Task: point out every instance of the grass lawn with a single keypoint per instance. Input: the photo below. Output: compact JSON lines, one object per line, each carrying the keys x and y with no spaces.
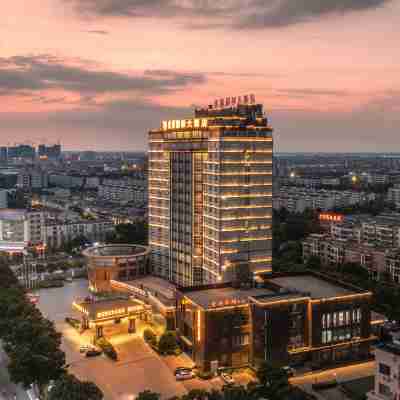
{"x":358,"y":388}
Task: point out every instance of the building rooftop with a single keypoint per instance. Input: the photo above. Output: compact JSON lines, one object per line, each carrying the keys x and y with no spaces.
{"x":225,"y":296}
{"x":158,"y":287}
{"x":94,"y":308}
{"x":315,"y":286}
{"x":393,"y":348}
{"x":114,"y":250}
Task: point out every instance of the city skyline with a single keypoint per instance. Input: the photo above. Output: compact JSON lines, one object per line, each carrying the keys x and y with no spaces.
{"x":97,"y":75}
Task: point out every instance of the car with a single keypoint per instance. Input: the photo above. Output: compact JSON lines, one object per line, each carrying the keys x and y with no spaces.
{"x":179,"y":369}
{"x":227,"y":378}
{"x":93,"y":353}
{"x":184,"y":374}
{"x":84,"y":348}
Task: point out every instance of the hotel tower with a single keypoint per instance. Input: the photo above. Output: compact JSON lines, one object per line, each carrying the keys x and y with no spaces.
{"x":210,"y":194}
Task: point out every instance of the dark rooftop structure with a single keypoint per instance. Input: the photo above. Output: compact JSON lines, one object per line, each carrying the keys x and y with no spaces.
{"x":224,"y":295}
{"x":315,"y":286}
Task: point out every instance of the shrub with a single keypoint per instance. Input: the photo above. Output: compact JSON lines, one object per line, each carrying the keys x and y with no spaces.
{"x":108,"y":348}
{"x":167,"y":343}
{"x":150,"y":337}
{"x":205,"y":375}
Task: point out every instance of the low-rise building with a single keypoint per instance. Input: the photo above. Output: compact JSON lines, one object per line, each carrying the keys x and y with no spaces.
{"x":58,"y":232}
{"x":302,"y":319}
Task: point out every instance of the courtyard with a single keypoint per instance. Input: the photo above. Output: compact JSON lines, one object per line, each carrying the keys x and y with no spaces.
{"x":138,"y":367}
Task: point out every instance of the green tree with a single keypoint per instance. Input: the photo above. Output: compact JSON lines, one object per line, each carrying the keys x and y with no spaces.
{"x":274,"y":382}
{"x":167,"y":343}
{"x":148,"y":395}
{"x":71,"y":388}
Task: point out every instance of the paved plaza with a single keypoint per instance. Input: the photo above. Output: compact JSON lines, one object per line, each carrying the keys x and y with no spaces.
{"x":138,"y":367}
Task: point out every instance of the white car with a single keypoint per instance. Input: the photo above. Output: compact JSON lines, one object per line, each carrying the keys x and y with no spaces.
{"x":85,"y":347}
{"x":184,"y":374}
{"x":227,"y":378}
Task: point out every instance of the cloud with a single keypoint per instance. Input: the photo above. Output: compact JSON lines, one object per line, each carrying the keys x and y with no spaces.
{"x":46,"y":72}
{"x":98,"y":32}
{"x":238,"y":14}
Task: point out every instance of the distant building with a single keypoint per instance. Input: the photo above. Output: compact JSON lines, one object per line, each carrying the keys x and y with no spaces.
{"x":58,"y":233}
{"x":20,"y":153}
{"x":3,"y":199}
{"x":123,"y":190}
{"x":210,"y":195}
{"x":33,"y":179}
{"x":387,"y":371}
{"x":66,"y":181}
{"x":393,"y":195}
{"x":49,"y":152}
{"x":20,"y":229}
{"x":297,"y":200}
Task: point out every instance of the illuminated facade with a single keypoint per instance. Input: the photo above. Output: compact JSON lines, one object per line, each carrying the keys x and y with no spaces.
{"x":210,"y":195}
{"x":109,"y":262}
{"x":299,"y":319}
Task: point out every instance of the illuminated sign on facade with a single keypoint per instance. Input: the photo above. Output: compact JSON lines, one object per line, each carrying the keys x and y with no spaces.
{"x":184,"y":123}
{"x":330,"y":217}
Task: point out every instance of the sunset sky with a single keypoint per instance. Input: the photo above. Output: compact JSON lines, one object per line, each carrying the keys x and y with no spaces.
{"x":98,"y":74}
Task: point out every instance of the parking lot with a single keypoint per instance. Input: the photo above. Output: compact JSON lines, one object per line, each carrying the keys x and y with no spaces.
{"x":138,"y":367}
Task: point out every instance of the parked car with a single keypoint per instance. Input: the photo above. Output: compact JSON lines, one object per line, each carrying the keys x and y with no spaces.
{"x":184,"y":374}
{"x":93,"y":353}
{"x":227,"y":378}
{"x":179,"y":369}
{"x":84,"y":348}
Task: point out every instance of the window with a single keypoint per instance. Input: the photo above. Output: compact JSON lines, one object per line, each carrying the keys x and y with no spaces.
{"x":384,"y":369}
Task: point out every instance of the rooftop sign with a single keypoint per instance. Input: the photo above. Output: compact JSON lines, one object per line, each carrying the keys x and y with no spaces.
{"x":229,"y":102}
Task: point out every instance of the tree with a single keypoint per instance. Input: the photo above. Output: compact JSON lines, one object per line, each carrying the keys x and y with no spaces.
{"x":314,"y":263}
{"x":167,"y":343}
{"x":71,"y":388}
{"x":129,"y":233}
{"x":274,"y":381}
{"x":148,"y":395}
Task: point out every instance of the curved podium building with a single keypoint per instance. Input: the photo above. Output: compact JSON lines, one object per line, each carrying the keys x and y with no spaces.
{"x":122,"y":262}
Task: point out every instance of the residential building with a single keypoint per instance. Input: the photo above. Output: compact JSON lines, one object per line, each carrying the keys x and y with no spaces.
{"x":123,"y":190}
{"x":59,"y":232}
{"x":33,"y":179}
{"x":210,"y":195}
{"x":297,"y":200}
{"x":49,"y":152}
{"x":387,"y":372}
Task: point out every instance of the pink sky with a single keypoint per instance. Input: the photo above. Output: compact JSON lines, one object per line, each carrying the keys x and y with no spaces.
{"x":330,"y":81}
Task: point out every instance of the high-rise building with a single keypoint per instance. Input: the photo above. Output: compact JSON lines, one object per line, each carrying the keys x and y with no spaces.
{"x":210,"y":195}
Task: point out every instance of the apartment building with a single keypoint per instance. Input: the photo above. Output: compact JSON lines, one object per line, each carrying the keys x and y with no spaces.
{"x":297,"y":200}
{"x":335,"y":252}
{"x":59,"y":232}
{"x":210,"y":194}
{"x":123,"y":190}
{"x":382,"y":230}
